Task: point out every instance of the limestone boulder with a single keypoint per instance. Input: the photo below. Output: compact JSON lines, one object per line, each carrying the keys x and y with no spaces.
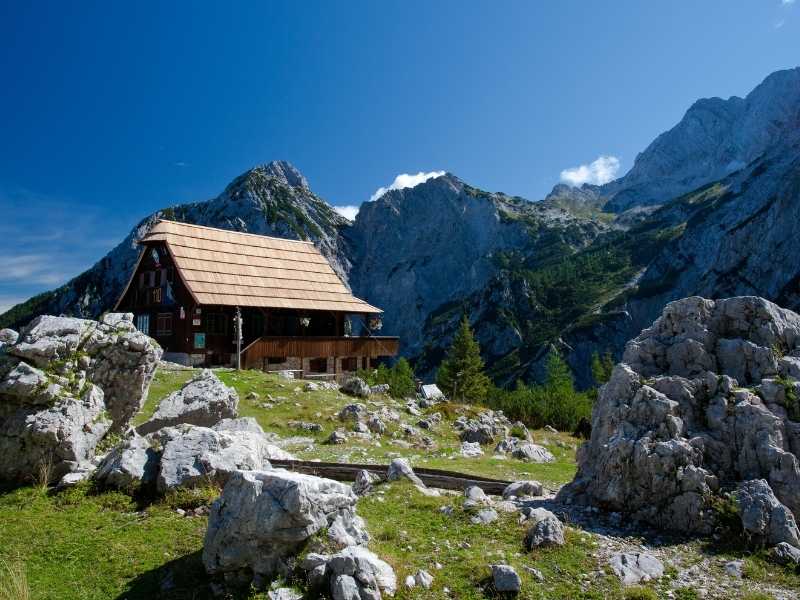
{"x":203,"y":401}
{"x":129,"y":465}
{"x":110,"y":353}
{"x":764,"y":519}
{"x":702,"y":400}
{"x":400,"y":468}
{"x":8,"y":337}
{"x":263,"y":518}
{"x":545,"y":529}
{"x":636,"y":567}
{"x":51,"y":441}
{"x":194,"y":455}
{"x":355,"y":386}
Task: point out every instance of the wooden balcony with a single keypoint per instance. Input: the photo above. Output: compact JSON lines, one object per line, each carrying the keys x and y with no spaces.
{"x":317,"y":347}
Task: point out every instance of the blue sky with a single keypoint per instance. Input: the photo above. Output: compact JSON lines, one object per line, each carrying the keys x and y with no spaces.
{"x":111,"y":110}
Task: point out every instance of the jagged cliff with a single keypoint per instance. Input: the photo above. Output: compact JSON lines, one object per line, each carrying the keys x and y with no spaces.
{"x":711,"y":207}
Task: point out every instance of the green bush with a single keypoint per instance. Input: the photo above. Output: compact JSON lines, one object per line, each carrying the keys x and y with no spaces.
{"x":640,"y":593}
{"x":556,"y":403}
{"x":400,"y":378}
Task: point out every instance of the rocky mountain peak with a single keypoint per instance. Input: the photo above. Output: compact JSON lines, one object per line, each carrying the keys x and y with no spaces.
{"x":285,"y":172}
{"x":715,"y":138}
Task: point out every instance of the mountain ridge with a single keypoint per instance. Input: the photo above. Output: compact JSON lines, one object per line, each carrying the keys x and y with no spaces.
{"x":710,"y":207}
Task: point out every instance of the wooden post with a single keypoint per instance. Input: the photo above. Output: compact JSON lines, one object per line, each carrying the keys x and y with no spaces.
{"x":238,"y":325}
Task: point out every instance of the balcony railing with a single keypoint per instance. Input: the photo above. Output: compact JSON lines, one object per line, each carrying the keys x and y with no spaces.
{"x":317,"y":347}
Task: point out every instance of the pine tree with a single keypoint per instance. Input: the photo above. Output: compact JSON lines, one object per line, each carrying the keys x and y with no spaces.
{"x":402,"y":380}
{"x":602,"y":367}
{"x":461,"y":376}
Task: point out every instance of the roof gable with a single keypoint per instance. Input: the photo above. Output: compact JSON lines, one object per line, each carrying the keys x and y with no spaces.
{"x":230,"y":268}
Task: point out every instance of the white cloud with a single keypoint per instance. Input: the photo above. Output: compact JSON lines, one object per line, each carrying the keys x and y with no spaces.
{"x":405,"y":180}
{"x":787,"y":2}
{"x":598,"y":172}
{"x":348,"y":212}
{"x":34,"y":268}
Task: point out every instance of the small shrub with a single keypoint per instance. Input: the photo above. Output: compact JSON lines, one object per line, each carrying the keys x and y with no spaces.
{"x":191,"y":498}
{"x":686,"y":593}
{"x":517,"y":431}
{"x":757,"y":596}
{"x":108,"y":442}
{"x":44,"y":473}
{"x":640,"y":593}
{"x":726,"y":515}
{"x":13,"y":581}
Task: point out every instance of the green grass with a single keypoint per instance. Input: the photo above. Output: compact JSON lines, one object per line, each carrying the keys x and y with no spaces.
{"x":80,"y":546}
{"x":86,"y":545}
{"x":411,"y":533}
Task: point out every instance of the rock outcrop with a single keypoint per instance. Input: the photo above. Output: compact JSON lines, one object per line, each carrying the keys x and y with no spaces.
{"x":64,"y":384}
{"x":189,"y":456}
{"x":262,"y":519}
{"x":354,"y":573}
{"x":203,"y":401}
{"x":110,"y":353}
{"x":705,"y":397}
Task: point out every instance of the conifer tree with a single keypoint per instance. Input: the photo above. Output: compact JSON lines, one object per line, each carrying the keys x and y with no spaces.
{"x":460,"y":376}
{"x":602,"y":367}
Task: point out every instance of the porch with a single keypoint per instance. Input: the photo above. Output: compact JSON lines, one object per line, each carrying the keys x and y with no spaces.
{"x":317,"y":356}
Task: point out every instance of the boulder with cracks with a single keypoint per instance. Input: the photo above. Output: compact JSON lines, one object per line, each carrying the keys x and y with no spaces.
{"x":705,"y":398}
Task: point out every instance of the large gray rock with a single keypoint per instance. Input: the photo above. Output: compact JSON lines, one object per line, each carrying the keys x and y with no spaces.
{"x":521,"y":489}
{"x":533,"y":453}
{"x":194,"y":455}
{"x":203,"y":401}
{"x":764,"y":519}
{"x":355,"y":386}
{"x":129,"y":465}
{"x":482,"y":430}
{"x":110,"y":353}
{"x":684,"y":412}
{"x":48,"y":442}
{"x":400,"y":468}
{"x":786,"y":554}
{"x":370,"y":572}
{"x":506,"y":579}
{"x":636,"y":567}
{"x":8,"y":337}
{"x":545,"y":529}
{"x":263,"y":518}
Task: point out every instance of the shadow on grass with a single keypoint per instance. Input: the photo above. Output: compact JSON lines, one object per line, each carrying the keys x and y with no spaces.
{"x":181,"y":579}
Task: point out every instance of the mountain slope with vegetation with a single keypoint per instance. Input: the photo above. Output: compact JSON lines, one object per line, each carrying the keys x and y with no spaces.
{"x":711,"y":207}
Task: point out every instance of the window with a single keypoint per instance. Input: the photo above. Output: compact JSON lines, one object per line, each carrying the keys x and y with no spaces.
{"x":318,"y":365}
{"x":143,"y":323}
{"x":350,"y":363}
{"x":141,"y":279}
{"x":216,"y":323}
{"x":164,"y":324}
{"x":150,"y":278}
{"x":200,"y":340}
{"x":276,"y":360}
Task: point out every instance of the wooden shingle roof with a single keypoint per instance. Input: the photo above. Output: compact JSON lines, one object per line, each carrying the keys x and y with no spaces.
{"x":229,"y":268}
